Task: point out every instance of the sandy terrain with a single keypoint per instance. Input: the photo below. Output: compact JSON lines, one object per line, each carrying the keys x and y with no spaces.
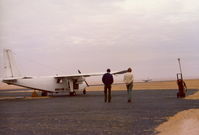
{"x":195,"y":96}
{"x":183,"y":123}
{"x":6,"y":86}
{"x":159,"y":85}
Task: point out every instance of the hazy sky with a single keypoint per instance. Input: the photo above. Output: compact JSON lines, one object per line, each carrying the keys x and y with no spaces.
{"x":60,"y":36}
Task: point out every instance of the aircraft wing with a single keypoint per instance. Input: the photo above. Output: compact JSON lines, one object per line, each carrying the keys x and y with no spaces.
{"x":89,"y":74}
{"x":78,"y":75}
{"x":120,"y":72}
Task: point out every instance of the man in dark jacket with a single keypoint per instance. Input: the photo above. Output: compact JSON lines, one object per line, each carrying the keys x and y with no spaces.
{"x":107,"y":79}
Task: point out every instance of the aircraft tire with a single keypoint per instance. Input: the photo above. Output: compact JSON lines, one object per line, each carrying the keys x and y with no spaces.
{"x":73,"y":93}
{"x":84,"y":92}
{"x":44,"y":93}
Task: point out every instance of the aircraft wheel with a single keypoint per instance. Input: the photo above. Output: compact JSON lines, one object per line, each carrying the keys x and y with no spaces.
{"x":44,"y":93}
{"x":73,"y":93}
{"x":84,"y":92}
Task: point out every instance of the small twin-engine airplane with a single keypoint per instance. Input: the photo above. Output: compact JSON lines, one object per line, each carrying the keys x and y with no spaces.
{"x":47,"y":84}
{"x":147,"y":80}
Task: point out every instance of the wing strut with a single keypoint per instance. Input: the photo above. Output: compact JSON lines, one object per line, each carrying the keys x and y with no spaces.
{"x":72,"y":92}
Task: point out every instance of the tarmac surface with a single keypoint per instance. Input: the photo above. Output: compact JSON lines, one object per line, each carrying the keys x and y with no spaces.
{"x":88,"y":114}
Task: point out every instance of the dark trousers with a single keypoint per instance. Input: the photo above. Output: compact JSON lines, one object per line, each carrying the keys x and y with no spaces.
{"x":107,"y":93}
{"x":129,"y":90}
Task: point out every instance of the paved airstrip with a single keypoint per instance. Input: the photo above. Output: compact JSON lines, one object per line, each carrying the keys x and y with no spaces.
{"x":88,"y":114}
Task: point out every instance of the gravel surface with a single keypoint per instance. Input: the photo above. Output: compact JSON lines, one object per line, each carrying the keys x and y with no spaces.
{"x":88,"y":114}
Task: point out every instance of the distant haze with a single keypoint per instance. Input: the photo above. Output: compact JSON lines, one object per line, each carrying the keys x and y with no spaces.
{"x":52,"y":37}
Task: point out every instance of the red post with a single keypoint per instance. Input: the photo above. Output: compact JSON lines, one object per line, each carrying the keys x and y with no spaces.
{"x":181,"y":86}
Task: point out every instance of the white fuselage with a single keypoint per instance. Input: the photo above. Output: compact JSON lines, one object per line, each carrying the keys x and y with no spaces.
{"x":49,"y":84}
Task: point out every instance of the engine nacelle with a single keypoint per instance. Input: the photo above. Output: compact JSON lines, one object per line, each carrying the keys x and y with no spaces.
{"x":80,"y":80}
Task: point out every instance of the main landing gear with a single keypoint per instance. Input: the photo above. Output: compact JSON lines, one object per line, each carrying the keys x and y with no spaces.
{"x":84,"y":92}
{"x":44,"y":93}
{"x":73,"y":93}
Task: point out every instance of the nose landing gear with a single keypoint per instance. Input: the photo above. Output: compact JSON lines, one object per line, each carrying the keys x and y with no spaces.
{"x":84,"y":91}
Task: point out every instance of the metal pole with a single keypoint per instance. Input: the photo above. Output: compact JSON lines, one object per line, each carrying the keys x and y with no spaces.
{"x":180,"y":65}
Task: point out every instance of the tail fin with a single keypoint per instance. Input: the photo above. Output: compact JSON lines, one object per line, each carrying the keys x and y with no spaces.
{"x":10,"y":68}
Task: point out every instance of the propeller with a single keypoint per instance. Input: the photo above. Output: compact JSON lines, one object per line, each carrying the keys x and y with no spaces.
{"x":79,"y":71}
{"x":84,"y":80}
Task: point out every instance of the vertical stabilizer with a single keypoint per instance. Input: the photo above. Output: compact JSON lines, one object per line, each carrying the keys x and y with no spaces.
{"x":10,"y":68}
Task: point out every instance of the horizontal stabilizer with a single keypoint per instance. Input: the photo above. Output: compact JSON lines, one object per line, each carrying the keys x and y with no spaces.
{"x":10,"y":79}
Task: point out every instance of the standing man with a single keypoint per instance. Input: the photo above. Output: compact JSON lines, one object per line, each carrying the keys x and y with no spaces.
{"x":128,"y":79}
{"x":107,"y":79}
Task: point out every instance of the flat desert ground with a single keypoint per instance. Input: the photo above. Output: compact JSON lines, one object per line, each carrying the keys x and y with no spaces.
{"x":182,"y":123}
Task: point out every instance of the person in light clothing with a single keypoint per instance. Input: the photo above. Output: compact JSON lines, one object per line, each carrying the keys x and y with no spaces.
{"x":128,"y":80}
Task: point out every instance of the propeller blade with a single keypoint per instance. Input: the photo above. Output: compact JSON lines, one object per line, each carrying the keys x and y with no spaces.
{"x":79,"y":71}
{"x":85,"y":80}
